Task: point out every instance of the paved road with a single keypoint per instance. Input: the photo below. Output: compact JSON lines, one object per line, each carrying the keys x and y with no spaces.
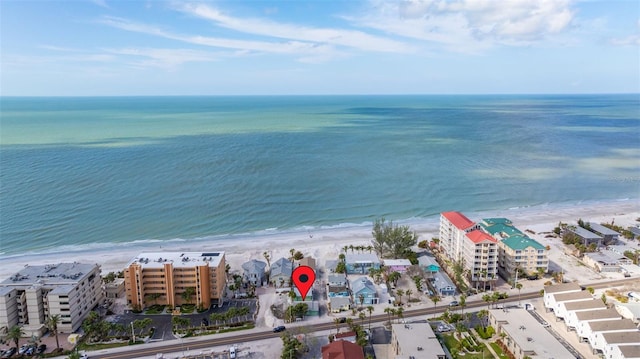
{"x":208,"y":342}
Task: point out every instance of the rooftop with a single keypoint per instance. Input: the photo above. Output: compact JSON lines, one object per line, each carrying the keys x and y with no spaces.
{"x":609,"y":325}
{"x":458,"y":219}
{"x":441,"y":280}
{"x":602,"y":229}
{"x":50,"y":274}
{"x":178,"y":259}
{"x":520,"y":242}
{"x":478,"y":236}
{"x":529,"y":334}
{"x":501,"y":226}
{"x":254,"y":265}
{"x":361,"y":283}
{"x":397,"y":262}
{"x":584,"y":233}
{"x":630,"y":351}
{"x":607,"y":257}
{"x":563,"y":287}
{"x":428,"y":260}
{"x":597,"y":314}
{"x":342,"y":349}
{"x":282,"y":267}
{"x":563,"y":297}
{"x":361,"y":258}
{"x":587,"y":304}
{"x":622,"y":337}
{"x":416,"y":340}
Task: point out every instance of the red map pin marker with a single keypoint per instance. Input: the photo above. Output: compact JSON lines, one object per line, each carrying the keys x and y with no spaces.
{"x":303,"y":278}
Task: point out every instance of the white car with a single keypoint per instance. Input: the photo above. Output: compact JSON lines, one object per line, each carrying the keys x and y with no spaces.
{"x":232,"y":352}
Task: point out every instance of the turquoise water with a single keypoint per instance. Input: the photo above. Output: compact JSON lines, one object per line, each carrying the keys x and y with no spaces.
{"x":87,"y":171}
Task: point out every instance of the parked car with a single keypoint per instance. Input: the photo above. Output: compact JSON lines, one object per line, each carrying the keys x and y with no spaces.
{"x":279,"y":329}
{"x":342,"y":320}
{"x":41,"y":349}
{"x":454,"y":303}
{"x":30,"y":350}
{"x":232,"y":353}
{"x":23,"y":349}
{"x":9,"y":353}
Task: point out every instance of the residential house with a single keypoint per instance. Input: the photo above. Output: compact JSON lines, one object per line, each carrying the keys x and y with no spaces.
{"x":338,"y":279}
{"x":609,"y":326}
{"x":428,"y":264}
{"x":606,"y":261}
{"x":360,"y":263}
{"x":414,"y":340}
{"x":253,"y":272}
{"x":397,"y":265}
{"x":603,"y":340}
{"x":342,"y":349}
{"x":587,"y":237}
{"x":364,"y":292}
{"x":280,"y":275}
{"x":349,"y":336}
{"x":608,"y":235}
{"x":571,"y":309}
{"x":309,"y":262}
{"x":559,"y":298}
{"x":33,"y":294}
{"x":635,"y":231}
{"x":442,"y":284}
{"x":622,"y":352}
{"x":339,"y":304}
{"x":525,"y":336}
{"x":331,"y":265}
{"x":551,"y":290}
{"x":584,"y":318}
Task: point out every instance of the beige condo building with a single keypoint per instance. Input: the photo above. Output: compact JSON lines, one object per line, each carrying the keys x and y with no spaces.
{"x":164,"y":277}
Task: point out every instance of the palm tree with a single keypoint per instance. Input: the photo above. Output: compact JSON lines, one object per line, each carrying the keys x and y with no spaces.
{"x":188,"y":294}
{"x":482,"y":315}
{"x":389,"y":311}
{"x":362,"y":316}
{"x":370,"y":310}
{"x":15,"y":333}
{"x":519,"y":287}
{"x":336,"y":321}
{"x":399,"y":312}
{"x":487,"y":298}
{"x":435,"y":299}
{"x":408,"y":292}
{"x":400,"y":293}
{"x":463,"y":302}
{"x":52,"y":324}
{"x":361,"y":299}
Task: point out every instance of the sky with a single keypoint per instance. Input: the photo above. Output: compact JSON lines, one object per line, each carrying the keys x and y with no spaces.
{"x":297,"y":47}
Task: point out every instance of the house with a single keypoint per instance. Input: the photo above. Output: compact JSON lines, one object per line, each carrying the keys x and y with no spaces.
{"x":364,"y":292}
{"x":609,"y":235}
{"x":115,"y":289}
{"x":309,"y":262}
{"x":442,"y":284}
{"x":280,"y":275}
{"x":331,"y":265}
{"x":360,"y":263}
{"x":338,"y":291}
{"x":609,"y":326}
{"x":551,"y":290}
{"x":559,"y":298}
{"x":414,"y":340}
{"x":587,"y":237}
{"x":623,"y":351}
{"x":339,"y":304}
{"x":253,"y":272}
{"x":571,"y":309}
{"x":603,"y":340}
{"x":584,"y":318}
{"x":350,"y":336}
{"x":605,"y":261}
{"x":338,"y":279}
{"x":342,"y":349}
{"x":428,"y":264}
{"x":525,"y":336}
{"x":397,"y":265}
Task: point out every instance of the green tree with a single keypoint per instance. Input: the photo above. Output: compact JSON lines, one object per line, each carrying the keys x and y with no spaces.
{"x":188,"y":294}
{"x":109,"y":278}
{"x":590,"y":290}
{"x":74,"y":355}
{"x":483,"y":314}
{"x":462,"y":302}
{"x":341,"y":267}
{"x":400,"y":293}
{"x":391,"y":240}
{"x":370,"y":310}
{"x":298,"y":255}
{"x":14,"y":334}
{"x":361,"y":299}
{"x":362,"y":317}
{"x":519,"y":288}
{"x":435,"y":299}
{"x":394,"y":277}
{"x":52,"y":324}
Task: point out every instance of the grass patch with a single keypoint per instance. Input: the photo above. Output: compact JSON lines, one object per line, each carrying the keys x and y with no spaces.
{"x":498,"y":351}
{"x":155,"y":309}
{"x":187,"y":308}
{"x":454,"y":346}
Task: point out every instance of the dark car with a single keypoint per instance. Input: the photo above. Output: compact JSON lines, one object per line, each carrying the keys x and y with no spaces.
{"x":342,"y":320}
{"x":41,"y":349}
{"x":279,"y":329}
{"x":9,"y":353}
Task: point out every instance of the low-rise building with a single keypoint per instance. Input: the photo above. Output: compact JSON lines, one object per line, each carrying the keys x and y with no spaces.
{"x":339,"y":304}
{"x":571,"y":309}
{"x":115,"y":289}
{"x":349,"y":336}
{"x":360,"y":263}
{"x":338,"y":279}
{"x":397,"y":265}
{"x":606,"y":261}
{"x":414,"y":340}
{"x":253,"y":272}
{"x":176,"y":278}
{"x":429,"y":264}
{"x":68,"y":290}
{"x":364,"y":292}
{"x":629,"y":311}
{"x":584,"y":318}
{"x":442,"y":284}
{"x":309,"y":262}
{"x":551,"y":290}
{"x":622,"y":352}
{"x":604,"y":340}
{"x":525,"y":336}
{"x":608,"y":235}
{"x":559,"y":298}
{"x":586,"y":237}
{"x":280,"y":276}
{"x":609,"y":326}
{"x":342,"y":349}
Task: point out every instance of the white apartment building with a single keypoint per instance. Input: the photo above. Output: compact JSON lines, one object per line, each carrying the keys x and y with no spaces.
{"x":29,"y":297}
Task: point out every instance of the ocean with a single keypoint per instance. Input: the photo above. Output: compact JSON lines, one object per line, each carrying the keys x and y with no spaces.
{"x":104,"y":171}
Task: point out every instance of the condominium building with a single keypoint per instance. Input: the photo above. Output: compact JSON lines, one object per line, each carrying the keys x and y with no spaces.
{"x":68,"y":290}
{"x":517,"y":252}
{"x":175,"y":278}
{"x":463,"y":242}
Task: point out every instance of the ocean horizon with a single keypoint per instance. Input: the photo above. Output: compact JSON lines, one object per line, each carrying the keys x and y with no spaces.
{"x":94,"y":172}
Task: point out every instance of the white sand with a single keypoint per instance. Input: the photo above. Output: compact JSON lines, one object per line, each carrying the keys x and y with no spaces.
{"x":326,"y":243}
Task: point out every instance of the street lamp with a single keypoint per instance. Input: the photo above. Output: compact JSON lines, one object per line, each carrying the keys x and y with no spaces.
{"x":133,"y":335}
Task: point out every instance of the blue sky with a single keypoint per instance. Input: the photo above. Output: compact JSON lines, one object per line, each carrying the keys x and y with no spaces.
{"x":238,"y":47}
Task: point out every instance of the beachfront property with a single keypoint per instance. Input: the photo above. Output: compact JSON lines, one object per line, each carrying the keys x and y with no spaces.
{"x":176,"y":278}
{"x":525,"y":336}
{"x":606,"y":261}
{"x":608,"y":235}
{"x":280,"y":275}
{"x":516,"y":251}
{"x":253,"y":272}
{"x":342,"y":349}
{"x":396,"y":265}
{"x":428,"y":264}
{"x":414,"y":340}
{"x":338,"y":286}
{"x":442,"y":284}
{"x":584,"y":318}
{"x":587,"y":237}
{"x":364,"y":292}
{"x":309,"y":262}
{"x":69,"y":290}
{"x":337,"y":279}
{"x":463,"y":242}
{"x":360,"y":263}
{"x":339,"y":304}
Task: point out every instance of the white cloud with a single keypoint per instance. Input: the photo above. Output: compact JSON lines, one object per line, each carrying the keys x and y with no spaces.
{"x":167,"y":58}
{"x":101,"y":3}
{"x":318,"y":36}
{"x":470,"y":25}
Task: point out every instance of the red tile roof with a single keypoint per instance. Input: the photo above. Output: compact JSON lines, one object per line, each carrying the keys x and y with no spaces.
{"x":478,"y":236}
{"x":458,"y":219}
{"x":345,"y":335}
{"x":341,"y":349}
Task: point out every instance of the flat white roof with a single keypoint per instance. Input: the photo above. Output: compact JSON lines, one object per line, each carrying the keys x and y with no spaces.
{"x":417,"y":340}
{"x":178,"y":259}
{"x":397,"y":262}
{"x":50,"y":274}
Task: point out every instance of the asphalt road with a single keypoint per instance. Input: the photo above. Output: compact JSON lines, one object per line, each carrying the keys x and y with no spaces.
{"x":208,"y":342}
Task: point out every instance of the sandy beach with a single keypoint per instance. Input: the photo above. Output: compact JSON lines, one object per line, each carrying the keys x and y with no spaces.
{"x":324,"y":244}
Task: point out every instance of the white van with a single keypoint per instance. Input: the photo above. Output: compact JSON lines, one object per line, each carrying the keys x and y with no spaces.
{"x":232,"y":352}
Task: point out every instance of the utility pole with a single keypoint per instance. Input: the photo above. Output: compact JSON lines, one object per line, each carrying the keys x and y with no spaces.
{"x":133,"y":334}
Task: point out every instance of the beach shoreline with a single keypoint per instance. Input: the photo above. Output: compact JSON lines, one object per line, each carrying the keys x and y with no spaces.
{"x":323,"y":243}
